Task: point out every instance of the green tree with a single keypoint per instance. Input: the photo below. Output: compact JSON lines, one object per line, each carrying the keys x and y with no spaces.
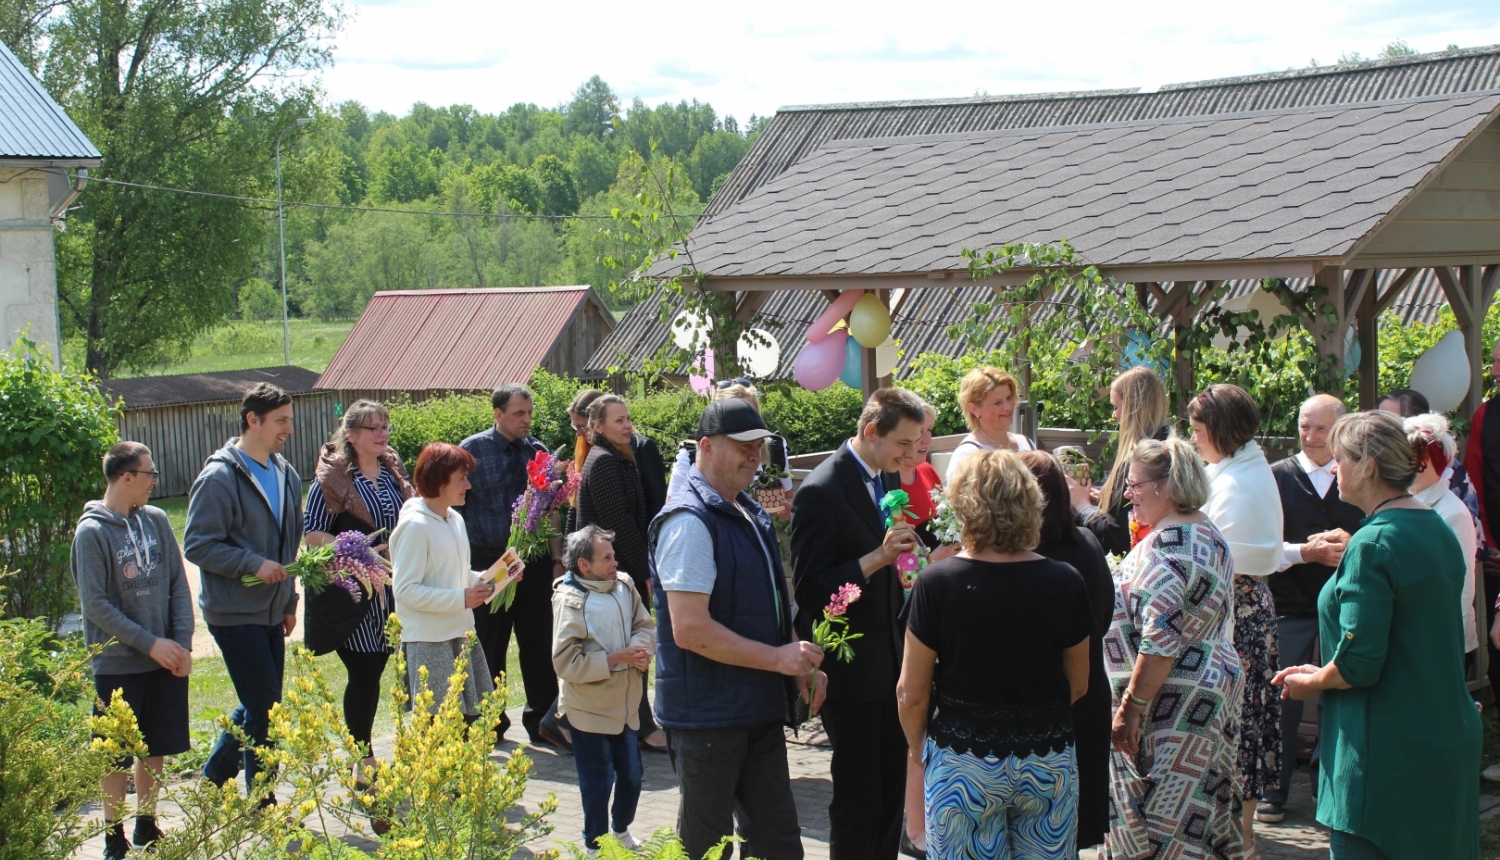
{"x":558,"y":195}
{"x":186,"y":95}
{"x":404,"y":174}
{"x":714,"y":156}
{"x":505,"y":188}
{"x":592,"y":110}
{"x":259,"y":301}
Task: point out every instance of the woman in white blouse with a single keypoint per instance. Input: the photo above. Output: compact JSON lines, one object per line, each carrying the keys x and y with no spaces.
{"x":1433,"y":442}
{"x":1245,"y":505}
{"x":988,"y":398}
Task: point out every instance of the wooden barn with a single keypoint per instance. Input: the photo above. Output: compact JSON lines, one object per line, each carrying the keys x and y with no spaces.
{"x":184,"y":418}
{"x":418,"y":343}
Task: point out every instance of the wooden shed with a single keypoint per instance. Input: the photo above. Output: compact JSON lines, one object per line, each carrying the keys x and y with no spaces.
{"x":418,"y":343}
{"x":185,"y":418}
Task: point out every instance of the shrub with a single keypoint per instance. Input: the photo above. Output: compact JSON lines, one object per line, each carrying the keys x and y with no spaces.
{"x":243,"y":339}
{"x":811,"y":420}
{"x":54,"y":429}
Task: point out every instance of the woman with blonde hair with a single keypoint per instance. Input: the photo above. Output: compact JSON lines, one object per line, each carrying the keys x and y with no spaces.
{"x":988,"y":397}
{"x":996,"y":653}
{"x":1138,"y":400}
{"x":1433,"y":443}
{"x":1399,"y":736}
{"x":1174,"y":672}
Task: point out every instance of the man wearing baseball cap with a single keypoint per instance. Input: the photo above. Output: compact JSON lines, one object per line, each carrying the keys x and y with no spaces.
{"x":726,"y":647}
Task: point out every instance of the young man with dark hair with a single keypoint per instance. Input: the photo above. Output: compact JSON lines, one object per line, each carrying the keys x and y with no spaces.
{"x":502,"y":453}
{"x":135,"y":601}
{"x":245,"y":518}
{"x":839,"y":537}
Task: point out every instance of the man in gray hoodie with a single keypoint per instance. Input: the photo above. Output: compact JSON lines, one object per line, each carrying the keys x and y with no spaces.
{"x":134,"y":596}
{"x":245,"y":518}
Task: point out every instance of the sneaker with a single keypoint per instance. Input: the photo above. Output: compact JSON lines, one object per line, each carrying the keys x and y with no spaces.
{"x":115,"y":846}
{"x":1491,"y":773}
{"x":626,"y":839}
{"x":146,"y":832}
{"x":1269,"y":813}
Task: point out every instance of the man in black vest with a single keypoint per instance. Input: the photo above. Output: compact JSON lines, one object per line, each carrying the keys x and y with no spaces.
{"x":1316,"y":525}
{"x":839,"y":537}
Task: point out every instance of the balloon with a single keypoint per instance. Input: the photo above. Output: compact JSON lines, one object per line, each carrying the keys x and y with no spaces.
{"x":1442,"y":373}
{"x":1352,"y":353}
{"x":869,"y":321}
{"x":687,"y":327}
{"x":886,"y":356}
{"x":818,"y":364}
{"x":829,"y":318}
{"x":704,"y":384}
{"x":760,"y":358}
{"x":853,"y":374}
{"x":1264,"y":303}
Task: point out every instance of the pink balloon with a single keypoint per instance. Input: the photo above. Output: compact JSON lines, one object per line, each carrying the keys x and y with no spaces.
{"x":819,"y":364}
{"x":704,"y":384}
{"x":837,"y":310}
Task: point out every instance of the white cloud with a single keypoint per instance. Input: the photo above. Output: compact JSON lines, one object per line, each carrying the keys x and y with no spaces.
{"x":754,"y":58}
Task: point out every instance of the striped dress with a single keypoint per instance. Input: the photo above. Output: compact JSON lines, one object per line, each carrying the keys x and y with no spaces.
{"x":383,"y":500}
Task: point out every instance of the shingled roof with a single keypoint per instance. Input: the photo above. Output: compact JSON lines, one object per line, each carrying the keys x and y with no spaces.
{"x":146,"y":392}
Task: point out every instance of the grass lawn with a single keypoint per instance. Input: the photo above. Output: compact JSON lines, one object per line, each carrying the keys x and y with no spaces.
{"x":313,"y":344}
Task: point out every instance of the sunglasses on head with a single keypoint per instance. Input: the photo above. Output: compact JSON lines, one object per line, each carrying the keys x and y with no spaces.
{"x":729,"y":383}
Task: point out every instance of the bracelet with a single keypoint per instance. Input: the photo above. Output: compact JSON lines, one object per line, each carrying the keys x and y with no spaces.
{"x":1137,"y":700}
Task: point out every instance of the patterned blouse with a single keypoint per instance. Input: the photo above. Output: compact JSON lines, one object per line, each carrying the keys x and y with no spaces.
{"x":384,"y":504}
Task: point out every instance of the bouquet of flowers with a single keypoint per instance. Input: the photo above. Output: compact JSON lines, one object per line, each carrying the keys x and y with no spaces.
{"x":350,"y":563}
{"x":550,"y":484}
{"x":832,"y":633}
{"x":896,"y":505}
{"x":946,"y":526}
{"x":1114,"y":560}
{"x":1138,"y":530}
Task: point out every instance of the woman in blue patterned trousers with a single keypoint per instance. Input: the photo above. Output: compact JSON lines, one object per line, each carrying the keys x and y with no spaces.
{"x":998,"y":639}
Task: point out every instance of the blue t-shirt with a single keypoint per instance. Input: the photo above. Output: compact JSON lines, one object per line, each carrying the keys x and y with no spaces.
{"x":265,"y":475}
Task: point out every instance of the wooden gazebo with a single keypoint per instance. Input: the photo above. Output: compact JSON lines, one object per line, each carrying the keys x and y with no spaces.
{"x":1363,"y":178}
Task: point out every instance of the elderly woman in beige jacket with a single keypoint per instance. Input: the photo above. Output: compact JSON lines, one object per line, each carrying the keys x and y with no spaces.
{"x":602,"y":638}
{"x":1245,"y":505}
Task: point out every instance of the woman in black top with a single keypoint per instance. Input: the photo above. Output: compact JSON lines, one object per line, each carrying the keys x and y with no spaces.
{"x":611,"y":497}
{"x":997,"y":651}
{"x":1074,"y":545}
{"x":1139,"y":401}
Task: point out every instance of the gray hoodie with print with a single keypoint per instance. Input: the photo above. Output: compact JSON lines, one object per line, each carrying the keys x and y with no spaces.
{"x":131,"y":586}
{"x":231,"y":530}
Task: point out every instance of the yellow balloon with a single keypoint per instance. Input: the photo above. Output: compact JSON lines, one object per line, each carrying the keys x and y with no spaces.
{"x":870,"y":322}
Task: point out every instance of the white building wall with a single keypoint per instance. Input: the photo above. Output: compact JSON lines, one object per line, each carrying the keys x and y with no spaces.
{"x":28,"y":271}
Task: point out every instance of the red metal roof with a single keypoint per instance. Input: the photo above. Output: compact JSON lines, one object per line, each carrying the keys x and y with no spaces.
{"x":453,"y":340}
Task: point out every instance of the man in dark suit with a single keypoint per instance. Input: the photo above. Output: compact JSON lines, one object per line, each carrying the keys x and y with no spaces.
{"x":839,"y":537}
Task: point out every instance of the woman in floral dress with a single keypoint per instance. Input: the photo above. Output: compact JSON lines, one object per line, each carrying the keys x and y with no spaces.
{"x":1174,"y":674}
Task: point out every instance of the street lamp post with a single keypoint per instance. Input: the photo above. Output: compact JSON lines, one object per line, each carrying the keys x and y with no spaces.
{"x":286,"y":326}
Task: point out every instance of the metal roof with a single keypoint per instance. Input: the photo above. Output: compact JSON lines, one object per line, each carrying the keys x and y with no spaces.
{"x":1285,"y":184}
{"x":795,"y":131}
{"x":146,"y":392}
{"x":33,"y":127}
{"x":454,"y":340}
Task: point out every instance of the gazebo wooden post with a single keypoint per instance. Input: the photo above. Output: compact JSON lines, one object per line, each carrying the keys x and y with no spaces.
{"x":1469,"y":294}
{"x":1328,"y":337}
{"x":1369,"y":346}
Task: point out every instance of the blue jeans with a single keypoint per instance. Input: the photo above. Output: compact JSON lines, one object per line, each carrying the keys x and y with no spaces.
{"x":255,"y":657}
{"x":605,"y":762}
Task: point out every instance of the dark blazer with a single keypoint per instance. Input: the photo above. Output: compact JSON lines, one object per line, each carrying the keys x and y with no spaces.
{"x":834,"y":523}
{"x":610,"y":497}
{"x":653,"y":473}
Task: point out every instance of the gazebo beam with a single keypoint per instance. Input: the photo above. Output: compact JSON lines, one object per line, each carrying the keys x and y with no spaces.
{"x":1369,"y":343}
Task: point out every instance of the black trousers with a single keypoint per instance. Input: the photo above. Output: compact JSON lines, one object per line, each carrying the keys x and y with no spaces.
{"x":869,"y":779}
{"x":530,"y":618}
{"x":1299,"y":640}
{"x":362,"y":692}
{"x":724,"y":773}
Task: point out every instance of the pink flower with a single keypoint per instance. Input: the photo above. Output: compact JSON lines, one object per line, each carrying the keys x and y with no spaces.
{"x":846,"y":595}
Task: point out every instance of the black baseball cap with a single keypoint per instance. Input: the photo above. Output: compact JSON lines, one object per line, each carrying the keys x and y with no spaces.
{"x":734,"y":418}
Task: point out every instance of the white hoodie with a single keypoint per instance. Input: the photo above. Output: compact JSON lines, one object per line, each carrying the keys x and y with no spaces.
{"x":1245,"y":504}
{"x":430,"y":569}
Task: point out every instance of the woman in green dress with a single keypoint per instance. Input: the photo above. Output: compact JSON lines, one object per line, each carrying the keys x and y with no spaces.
{"x":1400,"y":735}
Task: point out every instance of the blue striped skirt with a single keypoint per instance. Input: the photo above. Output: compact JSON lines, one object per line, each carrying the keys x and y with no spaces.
{"x":1012,"y":808}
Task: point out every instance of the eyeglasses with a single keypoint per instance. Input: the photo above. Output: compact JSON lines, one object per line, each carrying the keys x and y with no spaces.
{"x":729,"y":383}
{"x":153,"y":474}
{"x":381,"y":428}
{"x":1135,"y":487}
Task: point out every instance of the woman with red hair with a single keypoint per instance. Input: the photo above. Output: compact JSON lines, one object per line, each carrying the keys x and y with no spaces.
{"x":435,"y":589}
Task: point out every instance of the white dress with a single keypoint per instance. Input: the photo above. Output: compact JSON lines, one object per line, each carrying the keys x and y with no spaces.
{"x":969,"y":445}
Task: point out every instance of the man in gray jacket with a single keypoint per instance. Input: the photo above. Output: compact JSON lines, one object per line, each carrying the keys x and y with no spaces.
{"x":134,"y":596}
{"x":245,"y":518}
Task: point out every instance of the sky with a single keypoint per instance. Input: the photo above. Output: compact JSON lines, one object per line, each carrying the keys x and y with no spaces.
{"x":752,"y":58}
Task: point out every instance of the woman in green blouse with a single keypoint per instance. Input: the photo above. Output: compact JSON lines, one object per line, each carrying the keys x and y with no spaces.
{"x":1400,"y":735}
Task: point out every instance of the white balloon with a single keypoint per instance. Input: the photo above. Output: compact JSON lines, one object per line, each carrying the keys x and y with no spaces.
{"x":886,"y":356}
{"x":760,"y":358}
{"x":1442,"y":373}
{"x":686,"y":328}
{"x":1265,"y":303}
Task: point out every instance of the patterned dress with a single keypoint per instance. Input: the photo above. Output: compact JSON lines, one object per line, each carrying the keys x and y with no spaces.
{"x":1177,"y":798}
{"x":1255,"y":638}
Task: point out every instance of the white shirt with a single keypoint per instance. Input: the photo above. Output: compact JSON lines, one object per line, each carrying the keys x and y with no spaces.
{"x":1322,"y":478}
{"x":872,"y":477}
{"x":1456,"y":515}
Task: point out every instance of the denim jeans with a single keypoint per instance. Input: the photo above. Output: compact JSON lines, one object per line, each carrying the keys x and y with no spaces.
{"x":255,"y":657}
{"x":605,"y":762}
